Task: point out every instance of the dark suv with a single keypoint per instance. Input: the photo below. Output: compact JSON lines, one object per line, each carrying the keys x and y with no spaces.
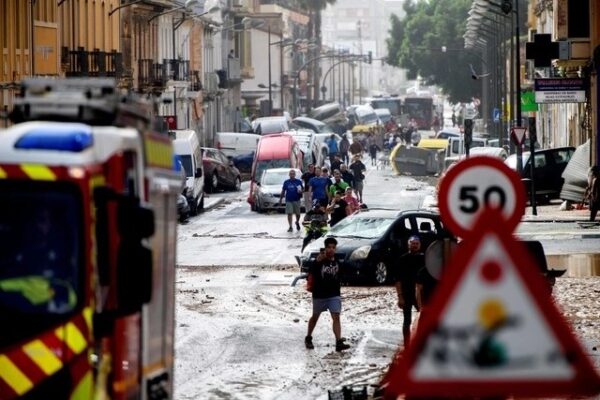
{"x":548,"y":168}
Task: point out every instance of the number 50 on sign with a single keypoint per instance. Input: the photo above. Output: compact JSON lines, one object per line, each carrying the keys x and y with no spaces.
{"x":475,"y":184}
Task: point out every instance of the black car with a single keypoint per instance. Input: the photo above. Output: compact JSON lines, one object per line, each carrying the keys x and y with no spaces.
{"x":548,"y":168}
{"x":219,"y":171}
{"x":370,"y":242}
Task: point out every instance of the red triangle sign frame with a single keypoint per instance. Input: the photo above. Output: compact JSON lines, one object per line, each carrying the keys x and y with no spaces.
{"x":424,"y":369}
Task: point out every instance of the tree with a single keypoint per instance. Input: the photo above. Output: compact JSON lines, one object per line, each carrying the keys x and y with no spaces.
{"x":416,"y":43}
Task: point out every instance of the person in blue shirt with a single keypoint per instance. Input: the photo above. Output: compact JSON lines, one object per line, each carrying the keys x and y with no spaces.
{"x":318,"y":185}
{"x":332,"y":147}
{"x":292,"y":190}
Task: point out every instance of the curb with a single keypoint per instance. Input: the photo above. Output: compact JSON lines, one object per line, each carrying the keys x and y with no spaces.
{"x":212,"y":202}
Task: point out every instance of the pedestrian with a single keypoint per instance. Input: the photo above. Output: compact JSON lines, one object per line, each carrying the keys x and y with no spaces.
{"x":453,"y":119}
{"x":306,"y":177}
{"x":592,"y":192}
{"x":373,"y":149}
{"x":407,"y":267}
{"x":338,"y":208}
{"x":337,"y":185}
{"x":318,"y":185}
{"x":332,"y":147}
{"x":356,"y":148}
{"x":351,"y":201}
{"x":347,"y":175}
{"x":326,"y":294}
{"x":336,"y":163}
{"x":358,"y":170}
{"x":344,"y":147}
{"x":292,"y":190}
{"x":425,"y":286}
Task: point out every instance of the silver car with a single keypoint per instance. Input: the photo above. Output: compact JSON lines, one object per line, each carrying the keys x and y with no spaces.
{"x":269,"y":189}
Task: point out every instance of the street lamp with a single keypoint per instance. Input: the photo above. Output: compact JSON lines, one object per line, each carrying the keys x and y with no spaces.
{"x":188,"y":4}
{"x":111,"y":12}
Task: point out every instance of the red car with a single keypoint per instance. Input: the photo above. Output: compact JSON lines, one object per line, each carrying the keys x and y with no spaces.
{"x":219,"y":171}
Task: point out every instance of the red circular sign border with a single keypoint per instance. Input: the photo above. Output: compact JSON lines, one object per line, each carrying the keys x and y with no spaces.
{"x":479,"y":161}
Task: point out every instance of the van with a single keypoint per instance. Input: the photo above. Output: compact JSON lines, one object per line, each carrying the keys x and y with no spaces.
{"x":187,"y":148}
{"x":235,"y":144}
{"x":273,"y":151}
{"x":456,"y":148}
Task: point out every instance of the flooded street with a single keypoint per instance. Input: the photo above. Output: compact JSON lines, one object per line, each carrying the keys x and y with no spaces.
{"x":240,"y":333}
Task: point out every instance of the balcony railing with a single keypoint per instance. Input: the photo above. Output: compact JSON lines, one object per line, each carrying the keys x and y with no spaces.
{"x":177,"y":70}
{"x":83,"y":63}
{"x":151,"y":74}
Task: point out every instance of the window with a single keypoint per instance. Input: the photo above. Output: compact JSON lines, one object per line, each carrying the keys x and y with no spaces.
{"x":540,"y":160}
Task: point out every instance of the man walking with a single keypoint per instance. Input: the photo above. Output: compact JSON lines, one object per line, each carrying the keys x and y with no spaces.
{"x":347,"y":175}
{"x":338,"y":184}
{"x":326,"y":294}
{"x":407,"y":267}
{"x":344,"y":147}
{"x":292,"y":190}
{"x":306,"y":177}
{"x":332,"y":147}
{"x":318,"y":186}
{"x":358,"y":170}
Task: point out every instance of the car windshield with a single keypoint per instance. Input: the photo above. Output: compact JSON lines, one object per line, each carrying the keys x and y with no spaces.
{"x":274,"y":177}
{"x":511,"y":161}
{"x":41,"y":263}
{"x":263,"y":165}
{"x":361,"y":226}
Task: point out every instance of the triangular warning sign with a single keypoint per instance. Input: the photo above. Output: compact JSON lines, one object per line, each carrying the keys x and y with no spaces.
{"x":492,"y":330}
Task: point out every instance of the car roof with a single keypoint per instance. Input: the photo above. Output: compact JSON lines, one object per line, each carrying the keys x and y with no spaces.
{"x":309,"y":120}
{"x":389,"y":213}
{"x":278,"y":170}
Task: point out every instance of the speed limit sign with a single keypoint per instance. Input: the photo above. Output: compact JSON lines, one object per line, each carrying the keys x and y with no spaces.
{"x":475,"y":184}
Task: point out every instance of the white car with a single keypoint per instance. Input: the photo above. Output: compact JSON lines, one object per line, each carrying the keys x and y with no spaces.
{"x":314,"y":153}
{"x":269,"y":189}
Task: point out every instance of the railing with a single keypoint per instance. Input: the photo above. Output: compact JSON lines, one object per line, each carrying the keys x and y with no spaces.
{"x":177,"y":70}
{"x":83,"y":63}
{"x":151,"y":74}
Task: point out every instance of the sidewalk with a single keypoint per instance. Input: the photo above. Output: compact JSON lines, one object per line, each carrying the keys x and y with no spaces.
{"x":545,"y":213}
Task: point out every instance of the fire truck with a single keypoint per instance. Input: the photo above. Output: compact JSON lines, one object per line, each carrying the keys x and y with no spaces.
{"x":88,"y":224}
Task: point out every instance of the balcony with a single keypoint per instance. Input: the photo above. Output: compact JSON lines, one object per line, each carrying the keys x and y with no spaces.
{"x":151,"y":75}
{"x":96,"y":63}
{"x":177,"y":70}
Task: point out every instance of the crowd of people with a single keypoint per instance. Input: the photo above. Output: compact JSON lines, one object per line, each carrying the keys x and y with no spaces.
{"x":337,"y":190}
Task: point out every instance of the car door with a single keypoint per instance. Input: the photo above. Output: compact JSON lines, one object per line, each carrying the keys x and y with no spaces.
{"x":228,"y":173}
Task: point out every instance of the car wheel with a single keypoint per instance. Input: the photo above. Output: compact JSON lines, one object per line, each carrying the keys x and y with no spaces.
{"x":237,"y":185}
{"x":381,"y":273}
{"x":214,"y":182}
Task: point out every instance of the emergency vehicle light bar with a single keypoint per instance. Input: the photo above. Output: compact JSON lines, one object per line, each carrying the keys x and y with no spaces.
{"x":74,"y":138}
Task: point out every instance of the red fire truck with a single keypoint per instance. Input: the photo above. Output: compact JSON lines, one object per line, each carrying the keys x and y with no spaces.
{"x":87,"y":233}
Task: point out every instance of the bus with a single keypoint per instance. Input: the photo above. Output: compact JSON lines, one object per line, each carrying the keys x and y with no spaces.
{"x":421,"y":109}
{"x":394,"y":104}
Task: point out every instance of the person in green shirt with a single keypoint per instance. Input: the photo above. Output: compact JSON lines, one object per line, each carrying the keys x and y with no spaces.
{"x":337,"y":185}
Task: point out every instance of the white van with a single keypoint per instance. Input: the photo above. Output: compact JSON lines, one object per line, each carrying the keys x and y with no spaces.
{"x":187,"y":149}
{"x":235,"y":143}
{"x":456,"y":148}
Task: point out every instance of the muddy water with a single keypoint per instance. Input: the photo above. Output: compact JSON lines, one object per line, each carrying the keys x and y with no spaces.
{"x":577,"y":265}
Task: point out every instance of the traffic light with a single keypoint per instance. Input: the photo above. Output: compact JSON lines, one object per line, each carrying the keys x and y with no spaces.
{"x":370,"y":57}
{"x":468,"y":135}
{"x":506,"y":6}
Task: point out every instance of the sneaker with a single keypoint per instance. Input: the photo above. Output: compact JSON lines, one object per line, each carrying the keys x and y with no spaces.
{"x":290,"y":229}
{"x":297,"y":226}
{"x":308,"y":343}
{"x":340,"y":345}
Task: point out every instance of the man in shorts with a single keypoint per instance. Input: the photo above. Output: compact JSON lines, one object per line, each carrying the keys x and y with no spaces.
{"x":326,"y":293}
{"x":292,"y":190}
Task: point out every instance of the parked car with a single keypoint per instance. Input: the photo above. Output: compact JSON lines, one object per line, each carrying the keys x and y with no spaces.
{"x":330,"y":113}
{"x":549,"y":165}
{"x":235,"y":143}
{"x":270,"y":125}
{"x":312,"y":124}
{"x":244,"y":162}
{"x":310,"y":147}
{"x":187,"y":147}
{"x":269,"y":189}
{"x":219,"y":171}
{"x":370,"y":242}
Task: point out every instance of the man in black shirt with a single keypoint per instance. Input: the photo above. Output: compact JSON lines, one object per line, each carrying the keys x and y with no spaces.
{"x":347,"y":175}
{"x":407,"y":268}
{"x":306,"y":176}
{"x":358,"y":170}
{"x":326,"y":294}
{"x":338,"y":208}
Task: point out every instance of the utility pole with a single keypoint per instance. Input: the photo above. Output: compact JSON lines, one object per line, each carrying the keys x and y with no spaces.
{"x":360,"y":50}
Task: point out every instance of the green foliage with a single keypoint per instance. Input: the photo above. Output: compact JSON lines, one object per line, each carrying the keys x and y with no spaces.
{"x":415,"y":43}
